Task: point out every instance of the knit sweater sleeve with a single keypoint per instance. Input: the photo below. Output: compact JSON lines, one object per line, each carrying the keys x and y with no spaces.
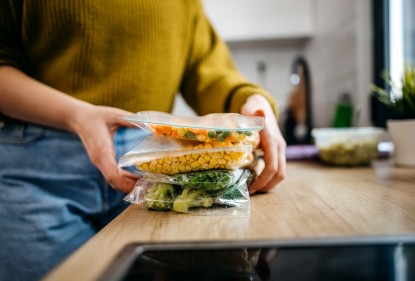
{"x":211,"y":82}
{"x":11,"y":52}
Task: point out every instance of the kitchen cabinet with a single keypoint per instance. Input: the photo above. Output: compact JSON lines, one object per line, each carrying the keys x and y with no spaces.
{"x":314,"y":203}
{"x":247,"y":20}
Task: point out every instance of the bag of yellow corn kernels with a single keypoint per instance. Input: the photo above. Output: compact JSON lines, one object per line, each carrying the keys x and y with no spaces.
{"x":160,"y":196}
{"x":173,"y":156}
{"x":233,"y":127}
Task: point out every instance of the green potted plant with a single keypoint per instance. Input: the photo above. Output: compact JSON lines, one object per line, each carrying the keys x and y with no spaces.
{"x":401,"y":99}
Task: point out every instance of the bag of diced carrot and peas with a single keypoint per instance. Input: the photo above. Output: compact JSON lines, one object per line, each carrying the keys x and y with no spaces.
{"x":215,"y":127}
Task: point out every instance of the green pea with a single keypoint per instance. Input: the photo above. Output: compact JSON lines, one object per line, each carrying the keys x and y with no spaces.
{"x":226,"y":134}
{"x":212,"y":134}
{"x":221,"y":137}
{"x":190,"y":135}
{"x":248,"y":133}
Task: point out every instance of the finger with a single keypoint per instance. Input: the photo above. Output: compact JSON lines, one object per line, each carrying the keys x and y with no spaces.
{"x":118,"y":117}
{"x":113,"y":175}
{"x":130,"y":175}
{"x":119,"y":181}
{"x":271,"y":163}
{"x":280,"y":176}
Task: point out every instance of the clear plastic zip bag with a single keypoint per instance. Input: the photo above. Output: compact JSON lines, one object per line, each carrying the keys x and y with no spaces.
{"x":212,"y":180}
{"x":215,"y":127}
{"x":174,"y":156}
{"x":160,"y":196}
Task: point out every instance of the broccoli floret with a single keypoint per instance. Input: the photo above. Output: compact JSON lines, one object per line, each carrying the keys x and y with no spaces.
{"x":160,"y":197}
{"x":237,"y":192}
{"x":212,"y":180}
{"x":232,"y":193}
{"x":191,"y":198}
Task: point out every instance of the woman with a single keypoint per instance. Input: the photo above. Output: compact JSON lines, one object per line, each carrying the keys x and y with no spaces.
{"x":68,"y":71}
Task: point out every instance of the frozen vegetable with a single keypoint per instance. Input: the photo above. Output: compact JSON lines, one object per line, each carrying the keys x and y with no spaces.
{"x":204,"y":135}
{"x":192,"y":198}
{"x":232,"y":200}
{"x":217,"y":127}
{"x":210,"y":180}
{"x":161,"y":196}
{"x":170,"y":157}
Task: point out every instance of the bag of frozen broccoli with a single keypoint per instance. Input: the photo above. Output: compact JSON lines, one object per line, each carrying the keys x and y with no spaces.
{"x":160,"y":196}
{"x":212,"y":180}
{"x":173,"y":156}
{"x":233,"y":126}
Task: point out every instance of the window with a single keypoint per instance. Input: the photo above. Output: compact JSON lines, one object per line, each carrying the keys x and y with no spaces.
{"x":393,"y":45}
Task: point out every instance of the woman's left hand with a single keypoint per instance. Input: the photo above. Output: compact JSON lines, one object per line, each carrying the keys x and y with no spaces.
{"x":271,"y":142}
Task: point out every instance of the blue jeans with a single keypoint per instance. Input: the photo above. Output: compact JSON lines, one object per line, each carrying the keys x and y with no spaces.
{"x":52,"y":199}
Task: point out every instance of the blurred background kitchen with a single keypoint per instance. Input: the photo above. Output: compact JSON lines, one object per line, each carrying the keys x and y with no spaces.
{"x":317,"y":57}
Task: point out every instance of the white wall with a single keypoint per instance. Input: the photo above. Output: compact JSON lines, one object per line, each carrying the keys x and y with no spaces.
{"x":277,"y":57}
{"x":339,"y":56}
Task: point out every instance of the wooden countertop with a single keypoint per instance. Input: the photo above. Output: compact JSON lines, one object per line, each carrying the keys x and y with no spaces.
{"x":314,"y":201}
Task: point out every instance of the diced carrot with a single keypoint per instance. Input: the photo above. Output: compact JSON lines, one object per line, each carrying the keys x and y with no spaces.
{"x":193,"y":130}
{"x":203,"y":132}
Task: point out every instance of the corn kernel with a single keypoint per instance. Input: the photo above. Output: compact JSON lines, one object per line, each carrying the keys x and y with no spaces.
{"x":175,"y":170}
{"x":221,"y":161}
{"x":207,"y":158}
{"x":227,"y":157}
{"x":195,"y":165}
{"x":201,"y":138}
{"x":208,"y":145}
{"x":213,"y":161}
{"x":182,"y":158}
{"x":195,"y":155}
{"x":235,"y":155}
{"x":201,"y":160}
{"x":180,"y":132}
{"x":144,"y":166}
{"x":182,"y":168}
{"x":216,"y":155}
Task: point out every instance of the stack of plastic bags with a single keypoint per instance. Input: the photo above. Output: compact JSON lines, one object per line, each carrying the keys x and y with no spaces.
{"x":194,"y":164}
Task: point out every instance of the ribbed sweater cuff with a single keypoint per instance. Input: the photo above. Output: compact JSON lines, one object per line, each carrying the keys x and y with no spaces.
{"x":240,"y":96}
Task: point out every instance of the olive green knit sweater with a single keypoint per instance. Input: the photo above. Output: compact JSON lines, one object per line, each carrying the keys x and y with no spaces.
{"x":131,"y":54}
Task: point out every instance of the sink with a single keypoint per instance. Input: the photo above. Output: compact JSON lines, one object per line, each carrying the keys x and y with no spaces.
{"x":353,"y":258}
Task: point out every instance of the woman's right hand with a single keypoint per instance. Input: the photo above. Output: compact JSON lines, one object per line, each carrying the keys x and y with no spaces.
{"x":96,"y":126}
{"x":27,"y":99}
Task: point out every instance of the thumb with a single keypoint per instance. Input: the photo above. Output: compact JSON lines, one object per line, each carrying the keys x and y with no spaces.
{"x":120,"y":121}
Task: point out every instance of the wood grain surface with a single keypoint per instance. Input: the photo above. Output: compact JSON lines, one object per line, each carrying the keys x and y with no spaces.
{"x":314,"y":201}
